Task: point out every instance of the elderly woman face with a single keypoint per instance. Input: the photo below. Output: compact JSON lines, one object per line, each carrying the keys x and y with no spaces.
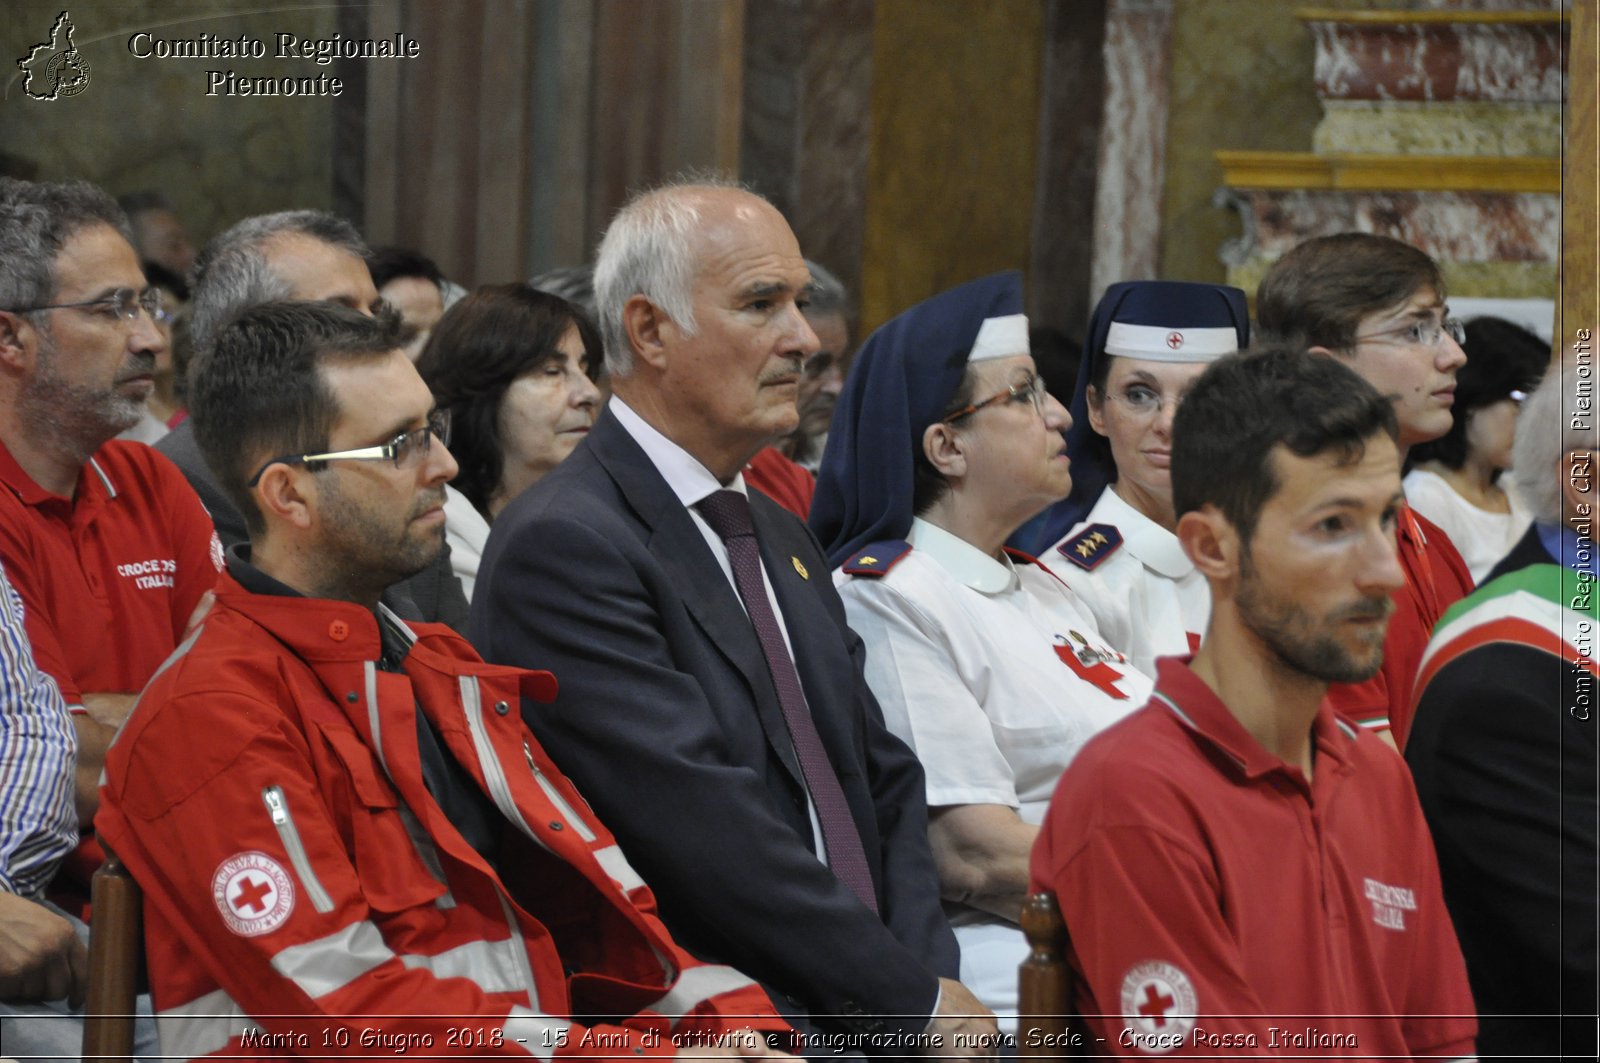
{"x":1015,"y":449}
{"x":547,"y":411}
{"x":1134,"y":413}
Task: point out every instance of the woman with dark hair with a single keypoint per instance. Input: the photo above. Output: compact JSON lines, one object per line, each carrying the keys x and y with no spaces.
{"x":1461,"y":481}
{"x":515,"y":368}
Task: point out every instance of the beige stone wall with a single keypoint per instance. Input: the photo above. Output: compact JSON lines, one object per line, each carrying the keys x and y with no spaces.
{"x":954,"y":131}
{"x":148,"y":123}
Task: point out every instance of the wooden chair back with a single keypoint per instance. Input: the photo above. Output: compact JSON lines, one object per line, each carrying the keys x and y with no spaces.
{"x":1046,"y":1021}
{"x":116,"y":962}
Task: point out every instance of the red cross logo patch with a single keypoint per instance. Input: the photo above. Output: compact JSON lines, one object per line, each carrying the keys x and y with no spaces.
{"x":1158,"y":1007}
{"x":253,"y":892}
{"x":1174,"y":340}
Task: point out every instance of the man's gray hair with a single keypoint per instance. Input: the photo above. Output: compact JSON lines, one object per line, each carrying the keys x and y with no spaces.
{"x":232,"y":274}
{"x":1558,"y":418}
{"x":36,"y":219}
{"x":646,"y":251}
{"x":828,"y":296}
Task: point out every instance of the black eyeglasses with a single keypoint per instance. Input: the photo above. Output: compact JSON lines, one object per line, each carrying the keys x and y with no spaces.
{"x":405,"y":449}
{"x":124,"y":303}
{"x":1030,"y":390}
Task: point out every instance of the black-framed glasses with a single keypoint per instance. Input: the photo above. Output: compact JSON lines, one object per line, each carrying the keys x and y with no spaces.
{"x":1425,"y":331}
{"x":123,"y":303}
{"x":405,"y":449}
{"x":1030,"y":390}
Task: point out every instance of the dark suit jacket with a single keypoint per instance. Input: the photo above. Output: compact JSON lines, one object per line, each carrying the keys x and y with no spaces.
{"x":668,"y":721}
{"x":433,"y":595}
{"x":1503,"y":753}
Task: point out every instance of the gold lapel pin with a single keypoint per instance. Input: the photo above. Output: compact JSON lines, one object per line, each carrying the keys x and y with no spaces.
{"x":798,"y":567}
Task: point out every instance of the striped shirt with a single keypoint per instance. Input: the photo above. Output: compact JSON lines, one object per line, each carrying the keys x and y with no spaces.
{"x":38,"y":751}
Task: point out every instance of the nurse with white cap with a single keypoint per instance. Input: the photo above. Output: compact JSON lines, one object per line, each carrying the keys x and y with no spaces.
{"x":943,"y":442}
{"x":1148,"y":341}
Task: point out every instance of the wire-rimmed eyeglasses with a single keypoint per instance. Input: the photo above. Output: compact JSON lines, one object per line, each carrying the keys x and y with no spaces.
{"x":123,"y":303}
{"x":405,"y":449}
{"x":1030,"y":390}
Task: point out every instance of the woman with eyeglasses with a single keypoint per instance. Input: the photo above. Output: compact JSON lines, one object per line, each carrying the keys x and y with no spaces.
{"x":942,"y":443}
{"x":1462,"y":481}
{"x":515,"y":368}
{"x":1113,"y":538}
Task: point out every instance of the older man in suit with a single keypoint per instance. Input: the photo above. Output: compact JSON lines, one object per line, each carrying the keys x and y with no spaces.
{"x":712,"y":703}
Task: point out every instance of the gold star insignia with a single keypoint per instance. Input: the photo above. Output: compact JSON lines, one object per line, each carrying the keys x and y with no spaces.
{"x":798,"y":567}
{"x":863,"y":561}
{"x":1097,"y":538}
{"x":1084,"y":550}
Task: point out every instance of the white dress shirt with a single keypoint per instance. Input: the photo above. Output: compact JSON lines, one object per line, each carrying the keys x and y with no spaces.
{"x":1147,"y":598}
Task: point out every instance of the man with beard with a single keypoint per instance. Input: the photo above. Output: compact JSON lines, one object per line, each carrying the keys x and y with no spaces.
{"x":368,"y":841}
{"x":107,"y":545}
{"x":1243,"y":872}
{"x":310,"y":256}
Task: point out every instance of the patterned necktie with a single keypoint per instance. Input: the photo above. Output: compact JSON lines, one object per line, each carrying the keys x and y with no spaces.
{"x":728,"y":513}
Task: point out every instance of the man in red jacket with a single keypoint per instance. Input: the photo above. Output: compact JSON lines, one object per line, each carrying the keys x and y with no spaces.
{"x":347,"y":838}
{"x":1378,"y":306}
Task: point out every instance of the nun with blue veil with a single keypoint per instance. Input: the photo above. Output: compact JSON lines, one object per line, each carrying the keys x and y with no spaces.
{"x":943,"y":442}
{"x":1113,"y":538}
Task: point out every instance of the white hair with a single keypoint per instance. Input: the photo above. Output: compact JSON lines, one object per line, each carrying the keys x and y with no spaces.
{"x":1558,"y":418}
{"x":646,"y":251}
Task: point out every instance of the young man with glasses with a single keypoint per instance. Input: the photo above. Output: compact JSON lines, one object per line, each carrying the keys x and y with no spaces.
{"x":1378,"y":305}
{"x":309,"y":256}
{"x":107,"y":545}
{"x":369,"y":848}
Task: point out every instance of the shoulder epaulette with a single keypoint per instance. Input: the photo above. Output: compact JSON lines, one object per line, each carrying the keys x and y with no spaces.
{"x":1091,"y":546}
{"x":877,"y":559}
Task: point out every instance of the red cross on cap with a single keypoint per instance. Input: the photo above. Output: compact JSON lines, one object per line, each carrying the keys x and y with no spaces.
{"x":252,"y":894}
{"x":1174,"y":340}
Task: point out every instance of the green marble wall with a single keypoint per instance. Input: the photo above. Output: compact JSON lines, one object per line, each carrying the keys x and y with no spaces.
{"x":148,"y":123}
{"x":1241,"y":80}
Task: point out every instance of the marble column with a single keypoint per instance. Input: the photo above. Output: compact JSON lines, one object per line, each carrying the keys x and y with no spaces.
{"x":1127,"y":211}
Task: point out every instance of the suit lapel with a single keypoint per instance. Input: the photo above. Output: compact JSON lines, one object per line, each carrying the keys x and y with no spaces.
{"x":677,"y":545}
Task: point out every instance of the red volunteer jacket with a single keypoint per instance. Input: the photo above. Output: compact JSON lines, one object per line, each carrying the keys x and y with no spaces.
{"x":306,"y":895}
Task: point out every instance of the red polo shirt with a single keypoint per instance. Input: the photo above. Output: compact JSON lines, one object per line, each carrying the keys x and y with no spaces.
{"x":110,"y":576}
{"x":1220,"y":904}
{"x":1436,"y":578}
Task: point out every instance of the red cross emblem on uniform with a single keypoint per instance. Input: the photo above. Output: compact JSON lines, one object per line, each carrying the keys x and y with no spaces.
{"x":1174,"y":340}
{"x":1091,"y":669}
{"x":1159,"y":1005}
{"x":254,"y":895}
{"x":1156,"y":1004}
